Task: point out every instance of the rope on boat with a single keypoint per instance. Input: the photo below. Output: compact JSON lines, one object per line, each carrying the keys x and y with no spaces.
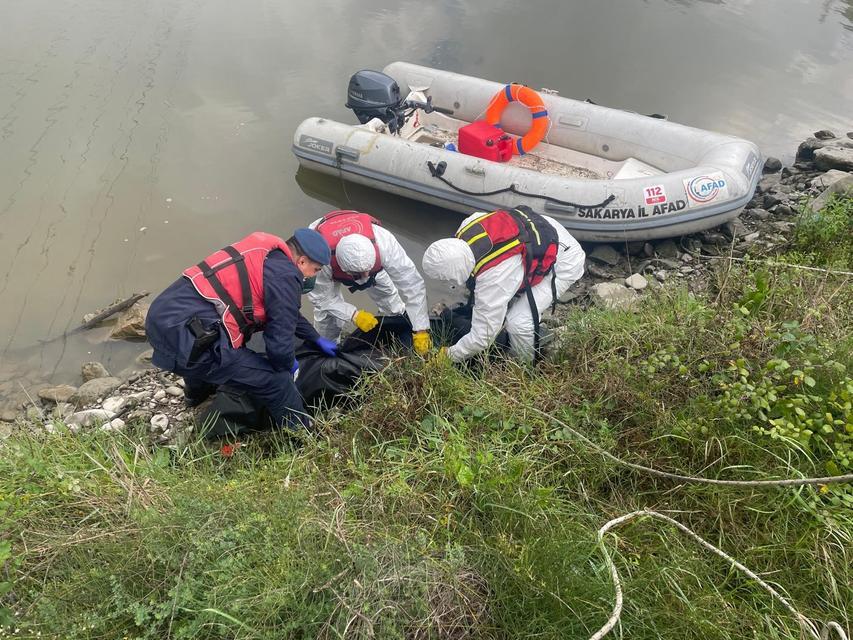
{"x":805,"y":623}
{"x":437,"y":171}
{"x":787,"y":482}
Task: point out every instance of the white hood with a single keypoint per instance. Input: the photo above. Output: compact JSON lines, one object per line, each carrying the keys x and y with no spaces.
{"x":355,"y":254}
{"x":449,"y":259}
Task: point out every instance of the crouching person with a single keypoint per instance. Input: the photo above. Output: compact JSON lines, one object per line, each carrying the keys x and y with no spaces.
{"x":200,"y":325}
{"x":367,"y":257}
{"x":515,"y":264}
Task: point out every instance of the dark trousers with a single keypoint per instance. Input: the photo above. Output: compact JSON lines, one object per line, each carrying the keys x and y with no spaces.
{"x":251,"y":372}
{"x":221,"y":364}
{"x":217,"y":363}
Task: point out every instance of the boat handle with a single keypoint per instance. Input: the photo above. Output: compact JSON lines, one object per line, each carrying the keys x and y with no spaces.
{"x":347,"y":152}
{"x":559,"y":208}
{"x":572,"y":121}
{"x":476,"y":169}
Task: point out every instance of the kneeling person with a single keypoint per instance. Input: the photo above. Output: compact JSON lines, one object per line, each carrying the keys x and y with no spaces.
{"x":199,"y":325}
{"x":367,"y":257}
{"x":516,"y":264}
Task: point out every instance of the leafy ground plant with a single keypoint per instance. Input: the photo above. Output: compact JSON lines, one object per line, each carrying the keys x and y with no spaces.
{"x":825,"y":237}
{"x":436,"y":507}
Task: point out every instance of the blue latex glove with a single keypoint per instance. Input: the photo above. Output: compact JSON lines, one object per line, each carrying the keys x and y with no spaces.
{"x":329,"y":347}
{"x":295,"y":368}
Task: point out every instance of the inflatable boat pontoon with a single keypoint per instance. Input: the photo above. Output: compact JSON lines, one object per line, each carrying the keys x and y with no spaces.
{"x":607,"y":175}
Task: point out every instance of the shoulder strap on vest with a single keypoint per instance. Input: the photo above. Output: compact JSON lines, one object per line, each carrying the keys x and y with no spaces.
{"x":481,"y":245}
{"x":499,"y":251}
{"x":245,"y":315}
{"x":354,"y":286}
{"x":538,"y":236}
{"x":476,"y":220}
{"x":248,"y":307}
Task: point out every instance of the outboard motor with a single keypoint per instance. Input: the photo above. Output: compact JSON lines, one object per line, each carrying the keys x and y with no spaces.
{"x":373,"y":94}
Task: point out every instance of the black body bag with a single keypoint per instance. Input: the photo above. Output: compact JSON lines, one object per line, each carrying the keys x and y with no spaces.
{"x":323,"y":381}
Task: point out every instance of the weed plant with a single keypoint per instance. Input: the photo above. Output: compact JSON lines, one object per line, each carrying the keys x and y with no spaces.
{"x":825,"y":237}
{"x":434,"y":507}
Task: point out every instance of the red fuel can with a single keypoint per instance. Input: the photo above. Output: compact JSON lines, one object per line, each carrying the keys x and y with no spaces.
{"x":485,"y":140}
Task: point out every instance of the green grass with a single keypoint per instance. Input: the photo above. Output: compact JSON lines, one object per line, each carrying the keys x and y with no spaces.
{"x":825,"y":237}
{"x":438,"y":508}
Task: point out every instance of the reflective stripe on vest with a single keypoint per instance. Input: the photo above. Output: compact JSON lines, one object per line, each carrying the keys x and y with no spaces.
{"x":493,"y":237}
{"x":485,"y":260}
{"x":499,"y":235}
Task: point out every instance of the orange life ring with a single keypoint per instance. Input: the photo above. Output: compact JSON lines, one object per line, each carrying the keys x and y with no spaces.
{"x":533,"y":101}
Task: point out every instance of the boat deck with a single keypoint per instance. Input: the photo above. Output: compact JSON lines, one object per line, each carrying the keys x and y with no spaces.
{"x":437,"y":130}
{"x":436,"y":136}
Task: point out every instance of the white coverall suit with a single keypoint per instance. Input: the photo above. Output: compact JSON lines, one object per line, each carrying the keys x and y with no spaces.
{"x":494,"y":306}
{"x":398,"y":287}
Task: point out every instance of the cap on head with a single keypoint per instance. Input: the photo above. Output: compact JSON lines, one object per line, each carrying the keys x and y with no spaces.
{"x":449,"y":259}
{"x":355,"y":254}
{"x":314,"y":246}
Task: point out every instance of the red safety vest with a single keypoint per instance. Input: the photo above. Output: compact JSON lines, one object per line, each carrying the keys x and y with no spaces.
{"x":339,"y":224}
{"x":233,"y":280}
{"x":499,"y":235}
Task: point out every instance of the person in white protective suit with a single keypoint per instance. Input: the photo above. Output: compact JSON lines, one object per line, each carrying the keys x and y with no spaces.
{"x":367,"y":257}
{"x":497,"y":255}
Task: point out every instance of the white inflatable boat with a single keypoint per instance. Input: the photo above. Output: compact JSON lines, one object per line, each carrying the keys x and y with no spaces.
{"x":607,"y":175}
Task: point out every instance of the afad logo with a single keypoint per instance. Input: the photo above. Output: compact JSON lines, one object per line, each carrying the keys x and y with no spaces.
{"x":351,"y":227}
{"x":705,"y":188}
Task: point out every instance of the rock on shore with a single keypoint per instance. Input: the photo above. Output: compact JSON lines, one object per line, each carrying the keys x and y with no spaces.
{"x":617,"y":276}
{"x":130,"y":324}
{"x":822,"y":168}
{"x":154,"y":398}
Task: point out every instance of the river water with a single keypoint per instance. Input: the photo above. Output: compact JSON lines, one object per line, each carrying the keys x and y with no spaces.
{"x":137,"y":136}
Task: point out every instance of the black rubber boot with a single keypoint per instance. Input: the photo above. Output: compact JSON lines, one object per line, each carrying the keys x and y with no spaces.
{"x":195,"y":393}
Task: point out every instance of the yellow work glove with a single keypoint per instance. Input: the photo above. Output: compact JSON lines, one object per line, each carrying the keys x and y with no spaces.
{"x":364,"y":320}
{"x":421,"y":342}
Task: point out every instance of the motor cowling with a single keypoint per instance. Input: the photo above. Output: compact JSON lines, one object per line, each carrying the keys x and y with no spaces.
{"x":373,"y":94}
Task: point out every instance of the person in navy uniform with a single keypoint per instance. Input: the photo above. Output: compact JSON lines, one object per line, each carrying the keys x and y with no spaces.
{"x":200,"y":325}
